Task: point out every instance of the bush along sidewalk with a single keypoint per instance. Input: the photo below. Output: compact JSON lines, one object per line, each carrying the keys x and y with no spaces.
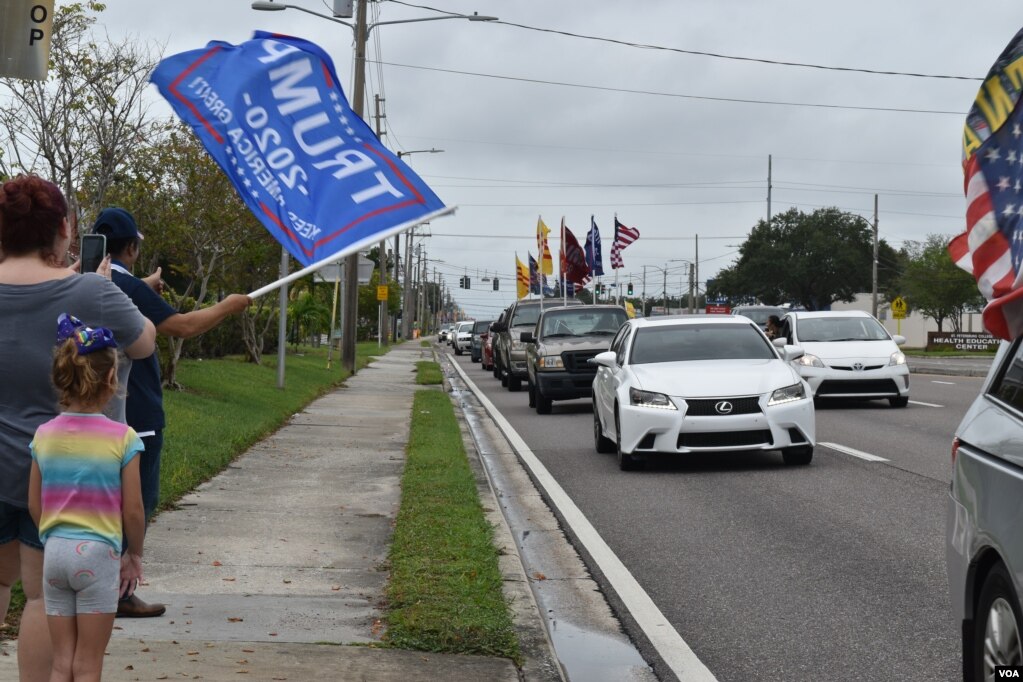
{"x":445,"y":592}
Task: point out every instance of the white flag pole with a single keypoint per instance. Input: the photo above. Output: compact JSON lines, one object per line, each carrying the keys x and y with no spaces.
{"x":350,"y":249}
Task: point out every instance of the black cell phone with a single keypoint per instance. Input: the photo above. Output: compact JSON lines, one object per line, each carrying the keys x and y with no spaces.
{"x":93,"y":249}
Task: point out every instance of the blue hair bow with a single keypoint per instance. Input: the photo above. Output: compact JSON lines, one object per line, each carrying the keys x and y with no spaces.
{"x":86,"y":339}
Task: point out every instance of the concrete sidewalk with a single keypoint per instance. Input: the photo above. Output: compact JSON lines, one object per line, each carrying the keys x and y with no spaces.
{"x":275,"y":569}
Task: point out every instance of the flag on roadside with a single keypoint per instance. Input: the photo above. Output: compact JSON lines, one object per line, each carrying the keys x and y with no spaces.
{"x":593,"y":257}
{"x":272,"y":114}
{"x":991,"y":249}
{"x":573,"y":259}
{"x":521,"y":278}
{"x":535,"y":282}
{"x":623,"y":237}
{"x":543,"y":249}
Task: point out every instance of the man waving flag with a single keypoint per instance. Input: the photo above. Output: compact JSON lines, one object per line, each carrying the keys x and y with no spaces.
{"x":991,"y":249}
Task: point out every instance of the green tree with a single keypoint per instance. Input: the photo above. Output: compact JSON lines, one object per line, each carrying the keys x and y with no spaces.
{"x":934,"y":285}
{"x":87,"y":118}
{"x":810,"y":259}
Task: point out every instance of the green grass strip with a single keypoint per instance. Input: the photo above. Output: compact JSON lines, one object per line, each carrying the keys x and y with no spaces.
{"x":445,"y":591}
{"x":428,"y":372}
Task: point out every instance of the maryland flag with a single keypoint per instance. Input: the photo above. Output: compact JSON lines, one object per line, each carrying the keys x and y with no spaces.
{"x":546,"y":261}
{"x":521,"y":279}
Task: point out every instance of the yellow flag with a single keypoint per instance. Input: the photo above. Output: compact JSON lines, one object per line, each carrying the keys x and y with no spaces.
{"x":521,"y":279}
{"x":546,"y":262}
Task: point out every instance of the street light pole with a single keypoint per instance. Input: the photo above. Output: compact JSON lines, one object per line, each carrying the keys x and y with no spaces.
{"x":873,"y":276}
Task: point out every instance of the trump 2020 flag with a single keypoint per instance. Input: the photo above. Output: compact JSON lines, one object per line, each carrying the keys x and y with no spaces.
{"x":991,"y":249}
{"x":593,"y":256}
{"x":272,"y":113}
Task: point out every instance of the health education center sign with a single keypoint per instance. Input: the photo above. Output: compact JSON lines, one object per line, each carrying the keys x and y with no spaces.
{"x":964,"y":341}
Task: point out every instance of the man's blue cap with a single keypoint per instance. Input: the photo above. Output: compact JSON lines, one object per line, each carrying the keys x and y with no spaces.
{"x":116,"y":223}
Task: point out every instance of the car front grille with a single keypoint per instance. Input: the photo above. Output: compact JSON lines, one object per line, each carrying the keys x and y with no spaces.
{"x":575,"y":361}
{"x":725,"y":439}
{"x":706,"y":408}
{"x":832,"y":387}
{"x":848,"y":368}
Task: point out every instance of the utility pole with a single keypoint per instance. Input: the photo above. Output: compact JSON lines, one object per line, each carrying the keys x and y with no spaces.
{"x":873,"y":276}
{"x":768,"y":189}
{"x":692,"y":279}
{"x":644,"y":291}
{"x":665,"y":273}
{"x":382,"y":267}
{"x":696,"y":277}
{"x":406,"y":307}
{"x":351,"y":308}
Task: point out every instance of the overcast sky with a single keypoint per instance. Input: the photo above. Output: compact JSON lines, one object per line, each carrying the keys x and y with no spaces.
{"x":540,"y":123}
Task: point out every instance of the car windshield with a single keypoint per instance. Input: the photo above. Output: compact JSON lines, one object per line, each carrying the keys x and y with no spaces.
{"x":465,"y":327}
{"x":830,"y":329}
{"x":481,"y":327}
{"x":525,"y":315}
{"x":583,"y":322}
{"x":699,"y":342}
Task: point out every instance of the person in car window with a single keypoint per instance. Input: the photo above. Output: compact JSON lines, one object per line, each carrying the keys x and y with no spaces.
{"x":773,"y":327}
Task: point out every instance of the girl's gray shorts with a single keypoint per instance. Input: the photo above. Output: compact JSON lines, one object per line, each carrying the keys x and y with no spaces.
{"x":80,"y":576}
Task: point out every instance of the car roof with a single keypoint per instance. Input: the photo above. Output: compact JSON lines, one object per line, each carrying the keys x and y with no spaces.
{"x":674,"y":320}
{"x":804,"y":314}
{"x":574,"y":308}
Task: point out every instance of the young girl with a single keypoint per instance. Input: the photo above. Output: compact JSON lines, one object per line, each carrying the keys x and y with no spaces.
{"x":84,"y":492}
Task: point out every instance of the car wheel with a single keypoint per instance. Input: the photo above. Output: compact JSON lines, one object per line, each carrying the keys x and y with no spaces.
{"x":532,"y":394}
{"x":504,"y":379}
{"x":496,"y":369}
{"x":514,"y":384}
{"x":901,"y":401}
{"x":799,"y":456}
{"x":626,"y":462}
{"x":601,"y":443}
{"x":457,"y":351}
{"x":997,"y":626}
{"x":543,"y":403}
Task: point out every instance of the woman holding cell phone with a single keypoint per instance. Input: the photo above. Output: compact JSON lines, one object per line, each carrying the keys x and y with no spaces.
{"x":36,"y":287}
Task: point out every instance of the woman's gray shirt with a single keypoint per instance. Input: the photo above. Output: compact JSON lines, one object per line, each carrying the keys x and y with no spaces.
{"x":28,"y":334}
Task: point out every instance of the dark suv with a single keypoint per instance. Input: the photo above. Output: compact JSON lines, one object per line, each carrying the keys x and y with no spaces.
{"x":559,"y":348}
{"x":509,"y":350}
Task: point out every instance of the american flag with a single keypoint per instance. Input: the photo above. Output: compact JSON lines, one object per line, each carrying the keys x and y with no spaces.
{"x":991,"y":249}
{"x":623,"y":237}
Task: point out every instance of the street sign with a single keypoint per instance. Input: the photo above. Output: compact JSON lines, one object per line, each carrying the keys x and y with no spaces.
{"x":25,"y":28}
{"x":381,"y":292}
{"x":899,"y":308}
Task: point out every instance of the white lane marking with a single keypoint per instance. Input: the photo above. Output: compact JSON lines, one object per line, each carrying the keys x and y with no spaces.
{"x":855,"y":453}
{"x":946,"y":383}
{"x":917,"y":402}
{"x":672,"y":649}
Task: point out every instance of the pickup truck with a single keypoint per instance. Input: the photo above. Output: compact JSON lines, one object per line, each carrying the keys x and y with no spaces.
{"x":509,"y":350}
{"x":559,"y":348}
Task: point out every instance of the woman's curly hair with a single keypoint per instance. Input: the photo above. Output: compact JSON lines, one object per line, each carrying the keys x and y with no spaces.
{"x":31,"y":213}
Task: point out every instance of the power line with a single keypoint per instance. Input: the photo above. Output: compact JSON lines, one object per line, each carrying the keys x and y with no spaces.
{"x":714,"y":55}
{"x":707,"y":98}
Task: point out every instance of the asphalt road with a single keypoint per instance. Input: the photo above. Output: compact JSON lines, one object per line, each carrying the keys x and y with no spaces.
{"x":831,"y":571}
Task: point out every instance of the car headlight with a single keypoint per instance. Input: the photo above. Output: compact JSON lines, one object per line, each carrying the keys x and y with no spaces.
{"x":898,"y":358}
{"x":517,"y":344}
{"x":551,"y":362}
{"x":649,"y":399}
{"x":787,"y":394}
{"x":807,"y":360}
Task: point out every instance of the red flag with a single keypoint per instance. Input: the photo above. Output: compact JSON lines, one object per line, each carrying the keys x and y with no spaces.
{"x":573,"y":258}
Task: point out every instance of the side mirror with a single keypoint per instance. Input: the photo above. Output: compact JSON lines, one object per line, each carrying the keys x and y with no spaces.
{"x":790,"y":353}
{"x":499,"y":327}
{"x":899,"y":339}
{"x":527,"y":337}
{"x":606,"y":359}
{"x":779,"y":342}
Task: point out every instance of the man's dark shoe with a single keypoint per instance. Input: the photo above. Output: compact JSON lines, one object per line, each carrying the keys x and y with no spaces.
{"x":133,"y":607}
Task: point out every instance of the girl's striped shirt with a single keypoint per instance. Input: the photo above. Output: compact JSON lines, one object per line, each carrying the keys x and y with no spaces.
{"x":80,"y":457}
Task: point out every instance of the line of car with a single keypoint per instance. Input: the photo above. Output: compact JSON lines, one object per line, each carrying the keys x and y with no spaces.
{"x":678,"y":385}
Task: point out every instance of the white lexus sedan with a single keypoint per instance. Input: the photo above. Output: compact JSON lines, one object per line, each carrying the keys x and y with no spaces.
{"x":848,"y":354}
{"x":682,"y":385}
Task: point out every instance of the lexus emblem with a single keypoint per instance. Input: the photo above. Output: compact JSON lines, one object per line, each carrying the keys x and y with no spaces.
{"x":857,"y":366}
{"x":723,"y":407}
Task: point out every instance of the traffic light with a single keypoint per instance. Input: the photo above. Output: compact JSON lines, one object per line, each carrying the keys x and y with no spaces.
{"x":496,"y":288}
{"x":461,"y":282}
{"x":630,"y":288}
{"x":467,"y":282}
{"x":598,"y":288}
